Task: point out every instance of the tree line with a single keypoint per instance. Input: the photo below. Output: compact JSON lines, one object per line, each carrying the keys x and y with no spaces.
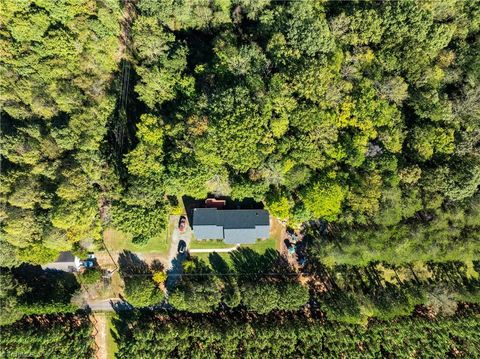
{"x":30,"y":290}
{"x":159,"y":335}
{"x":48,"y":336}
{"x":259,"y":283}
{"x":357,"y":294}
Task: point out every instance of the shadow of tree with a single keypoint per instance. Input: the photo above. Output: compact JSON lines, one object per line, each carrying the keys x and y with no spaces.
{"x":252,"y":266}
{"x":157,"y":266}
{"x":129,"y":264}
{"x":218,"y":264}
{"x":121,"y":306}
{"x":175,"y":272}
{"x":247,"y":263}
{"x":49,"y":285}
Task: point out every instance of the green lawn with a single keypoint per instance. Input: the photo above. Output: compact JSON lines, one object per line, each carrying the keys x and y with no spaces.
{"x":111,"y":344}
{"x":204,"y":257}
{"x":119,"y":241}
{"x":260,"y":247}
{"x":209,"y":243}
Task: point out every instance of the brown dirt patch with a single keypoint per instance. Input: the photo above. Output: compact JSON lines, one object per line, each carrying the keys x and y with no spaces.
{"x":100,"y":332}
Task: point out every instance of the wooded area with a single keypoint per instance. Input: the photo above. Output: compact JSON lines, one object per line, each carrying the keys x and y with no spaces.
{"x":29,"y":290}
{"x":363,"y":114}
{"x":54,"y":336}
{"x":296,"y":336}
{"x":356,"y":123}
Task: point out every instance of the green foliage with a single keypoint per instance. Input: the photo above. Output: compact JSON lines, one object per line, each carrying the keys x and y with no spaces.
{"x":29,"y":290}
{"x":57,"y":63}
{"x":141,"y":291}
{"x":59,"y":336}
{"x":91,"y":275}
{"x":260,"y":297}
{"x":341,"y":307}
{"x":451,"y":234}
{"x":365,"y":116}
{"x":142,"y":223}
{"x":48,"y":72}
{"x":279,"y":206}
{"x":10,"y":290}
{"x":198,"y":290}
{"x":274,"y":336}
{"x":324,"y":199}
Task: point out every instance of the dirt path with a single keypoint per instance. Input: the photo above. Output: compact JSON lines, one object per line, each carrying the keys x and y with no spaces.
{"x":101,"y":326}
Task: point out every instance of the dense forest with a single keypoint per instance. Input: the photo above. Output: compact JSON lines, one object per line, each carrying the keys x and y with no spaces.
{"x":29,"y":289}
{"x":356,"y":123}
{"x":59,"y":336}
{"x":362,"y":114}
{"x":298,"y":336}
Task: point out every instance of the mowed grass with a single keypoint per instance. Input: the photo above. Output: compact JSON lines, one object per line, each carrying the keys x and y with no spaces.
{"x":260,"y":247}
{"x":119,"y":241}
{"x":111,"y":344}
{"x":276,"y":236}
{"x":205,"y":257}
{"x":209,"y":243}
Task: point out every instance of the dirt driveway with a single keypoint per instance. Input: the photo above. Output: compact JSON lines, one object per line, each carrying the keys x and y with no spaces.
{"x":100,"y":333}
{"x":175,"y":259}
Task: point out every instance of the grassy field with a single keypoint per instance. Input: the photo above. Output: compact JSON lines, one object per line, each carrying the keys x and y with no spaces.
{"x":111,"y":344}
{"x":209,"y":243}
{"x":260,"y":247}
{"x":118,"y":241}
{"x":204,"y":257}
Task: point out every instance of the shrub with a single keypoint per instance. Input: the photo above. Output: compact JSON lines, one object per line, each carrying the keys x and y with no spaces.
{"x":91,"y":275}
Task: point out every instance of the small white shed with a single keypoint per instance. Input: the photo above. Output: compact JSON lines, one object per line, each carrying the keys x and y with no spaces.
{"x":66,"y":262}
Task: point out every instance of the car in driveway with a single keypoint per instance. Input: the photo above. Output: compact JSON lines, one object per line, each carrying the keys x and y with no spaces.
{"x":182,"y":246}
{"x":182,"y":223}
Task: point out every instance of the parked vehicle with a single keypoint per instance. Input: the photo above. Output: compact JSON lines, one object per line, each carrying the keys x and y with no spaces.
{"x":182,"y":223}
{"x":182,"y":247}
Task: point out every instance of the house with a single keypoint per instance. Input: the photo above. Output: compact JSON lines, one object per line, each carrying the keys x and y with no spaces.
{"x":66,"y":262}
{"x":239,"y":226}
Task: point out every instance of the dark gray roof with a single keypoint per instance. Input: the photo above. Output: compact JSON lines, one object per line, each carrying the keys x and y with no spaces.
{"x":244,"y":218}
{"x":205,"y":216}
{"x":235,"y":226}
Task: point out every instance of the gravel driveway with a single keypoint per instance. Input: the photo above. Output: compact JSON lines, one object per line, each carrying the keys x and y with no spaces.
{"x":176,"y":259}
